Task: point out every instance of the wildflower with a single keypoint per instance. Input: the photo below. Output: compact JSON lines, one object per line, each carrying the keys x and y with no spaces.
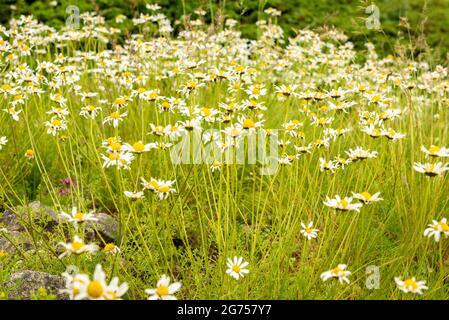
{"x":77,"y":246}
{"x":111,"y":248}
{"x":436,"y":228}
{"x":13,"y":113}
{"x":134,"y":195}
{"x":360,"y":154}
{"x":308,"y":231}
{"x":89,"y":111}
{"x":164,"y":290}
{"x":410,"y":285}
{"x":78,"y":217}
{"x":393,"y":135}
{"x":366,"y":197}
{"x":29,"y":153}
{"x":327,"y":165}
{"x":342,"y":204}
{"x":236,"y":267}
{"x":55,"y":125}
{"x":138,"y":147}
{"x":81,"y":287}
{"x":431,"y":169}
{"x":115,"y":118}
{"x":118,"y":159}
{"x":338,"y":272}
{"x":435,"y":151}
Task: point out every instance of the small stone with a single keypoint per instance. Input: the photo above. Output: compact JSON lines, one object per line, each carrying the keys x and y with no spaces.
{"x":106,"y":226}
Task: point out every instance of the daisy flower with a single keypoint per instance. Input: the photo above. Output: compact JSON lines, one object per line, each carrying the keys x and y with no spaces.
{"x":119,"y":159}
{"x":360,"y":154}
{"x":13,"y":113}
{"x":367,"y":197}
{"x":114,"y":118}
{"x":78,"y":217}
{"x":138,"y":147}
{"x":164,"y":290}
{"x":338,"y":272}
{"x":134,"y":195}
{"x":435,"y":151}
{"x":436,"y":228}
{"x":54,"y":125}
{"x":431,"y":169}
{"x":308,"y":231}
{"x":342,"y":204}
{"x":77,"y":246}
{"x":111,"y":248}
{"x":410,"y":285}
{"x":236,"y":267}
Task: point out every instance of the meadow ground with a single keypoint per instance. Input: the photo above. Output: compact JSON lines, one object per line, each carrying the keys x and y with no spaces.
{"x":327,"y":177}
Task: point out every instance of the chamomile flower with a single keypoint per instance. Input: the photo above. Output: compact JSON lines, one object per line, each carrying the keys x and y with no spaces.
{"x":115,"y":118}
{"x":308,"y":231}
{"x":367,"y":197}
{"x":13,"y":113}
{"x":431,"y":169}
{"x":118,"y":159}
{"x":339,"y":272}
{"x":77,"y":246}
{"x":435,"y":151}
{"x":90,"y":111}
{"x":410,"y":285}
{"x":138,"y":147}
{"x":237,"y":267}
{"x":344,"y":204}
{"x":134,"y":195}
{"x":164,"y":290}
{"x":111,"y":249}
{"x":436,"y":228}
{"x":78,"y":217}
{"x":360,"y":154}
{"x":55,"y":125}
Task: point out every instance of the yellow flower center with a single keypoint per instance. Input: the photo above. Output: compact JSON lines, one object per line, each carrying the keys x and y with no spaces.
{"x":410,"y":283}
{"x":206,"y":112}
{"x":109,"y":247}
{"x":114,"y":115}
{"x":236,"y":268}
{"x":366,"y":195}
{"x":336,"y":270}
{"x":76,"y":246}
{"x":434,"y":149}
{"x":139,"y":146}
{"x":116,"y":146}
{"x":164,"y":189}
{"x":114,"y":156}
{"x":248,"y":123}
{"x":95,"y":289}
{"x":443,"y":226}
{"x":78,"y":216}
{"x":56,"y":122}
{"x":344,"y":203}
{"x":162,"y":291}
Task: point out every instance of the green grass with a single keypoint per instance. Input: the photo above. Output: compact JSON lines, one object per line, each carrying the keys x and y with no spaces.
{"x":235,"y":211}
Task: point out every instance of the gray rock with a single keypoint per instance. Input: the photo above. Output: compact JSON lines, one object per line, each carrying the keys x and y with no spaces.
{"x":11,"y":221}
{"x":24,"y":284}
{"x":106,"y":226}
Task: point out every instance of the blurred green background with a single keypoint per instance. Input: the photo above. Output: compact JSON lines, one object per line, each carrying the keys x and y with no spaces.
{"x":427,"y":20}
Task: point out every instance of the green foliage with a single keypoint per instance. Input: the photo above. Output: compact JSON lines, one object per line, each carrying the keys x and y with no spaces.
{"x":427,"y":22}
